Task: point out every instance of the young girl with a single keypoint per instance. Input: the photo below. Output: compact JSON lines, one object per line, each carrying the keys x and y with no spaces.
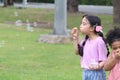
{"x":92,"y":49}
{"x":113,"y":61}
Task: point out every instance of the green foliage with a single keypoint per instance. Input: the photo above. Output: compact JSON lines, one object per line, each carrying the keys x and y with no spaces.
{"x":96,"y":2}
{"x":45,"y":1}
{"x":42,"y":1}
{"x":86,"y":2}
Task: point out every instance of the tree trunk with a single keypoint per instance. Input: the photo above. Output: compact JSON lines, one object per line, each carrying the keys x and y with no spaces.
{"x":116,"y":12}
{"x":5,"y":3}
{"x":72,"y":5}
{"x":8,"y":3}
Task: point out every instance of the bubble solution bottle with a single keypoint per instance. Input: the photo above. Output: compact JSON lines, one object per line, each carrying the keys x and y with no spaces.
{"x":94,"y":63}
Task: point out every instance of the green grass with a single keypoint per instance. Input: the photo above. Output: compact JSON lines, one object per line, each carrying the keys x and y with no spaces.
{"x":47,"y":15}
{"x":8,"y":14}
{"x":23,"y":58}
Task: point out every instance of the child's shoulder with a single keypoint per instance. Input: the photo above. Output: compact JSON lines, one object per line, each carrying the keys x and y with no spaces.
{"x":100,"y":40}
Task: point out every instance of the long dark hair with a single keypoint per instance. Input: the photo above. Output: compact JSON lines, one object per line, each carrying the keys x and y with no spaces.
{"x":94,"y":21}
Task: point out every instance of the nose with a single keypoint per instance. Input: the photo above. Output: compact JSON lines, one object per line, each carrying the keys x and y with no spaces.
{"x":80,"y":26}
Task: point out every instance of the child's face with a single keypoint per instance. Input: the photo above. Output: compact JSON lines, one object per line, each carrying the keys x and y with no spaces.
{"x":85,"y":26}
{"x":116,"y":46}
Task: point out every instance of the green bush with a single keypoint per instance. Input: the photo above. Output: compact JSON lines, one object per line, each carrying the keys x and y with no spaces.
{"x":95,"y":2}
{"x":42,"y":1}
{"x":85,"y":2}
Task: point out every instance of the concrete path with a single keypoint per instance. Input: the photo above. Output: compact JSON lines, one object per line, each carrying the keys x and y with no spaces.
{"x":96,"y":9}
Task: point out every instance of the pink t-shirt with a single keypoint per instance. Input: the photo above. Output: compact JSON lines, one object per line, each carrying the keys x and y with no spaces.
{"x":94,"y":51}
{"x":115,"y":72}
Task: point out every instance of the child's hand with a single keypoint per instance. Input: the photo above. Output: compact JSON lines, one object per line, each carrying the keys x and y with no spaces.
{"x":75,"y":33}
{"x":117,"y":54}
{"x":94,"y":67}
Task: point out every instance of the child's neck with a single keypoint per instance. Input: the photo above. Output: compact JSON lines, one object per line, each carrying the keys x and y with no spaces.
{"x":92,"y":36}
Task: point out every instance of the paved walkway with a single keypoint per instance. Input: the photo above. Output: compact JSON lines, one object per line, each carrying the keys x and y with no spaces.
{"x":81,"y":8}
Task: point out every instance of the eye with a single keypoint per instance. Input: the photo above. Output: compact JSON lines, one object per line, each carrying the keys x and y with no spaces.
{"x":114,"y":48}
{"x":84,"y":23}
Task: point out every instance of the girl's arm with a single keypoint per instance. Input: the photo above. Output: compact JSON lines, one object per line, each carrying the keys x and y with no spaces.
{"x":75,"y":40}
{"x":97,"y":67}
{"x":75,"y":44}
{"x":110,"y":62}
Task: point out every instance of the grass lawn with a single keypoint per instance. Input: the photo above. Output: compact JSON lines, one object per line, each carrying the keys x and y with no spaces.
{"x":23,"y":58}
{"x":47,"y":15}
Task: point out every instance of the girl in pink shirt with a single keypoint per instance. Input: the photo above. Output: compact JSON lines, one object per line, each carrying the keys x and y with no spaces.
{"x":92,"y":49}
{"x":112,"y":64}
